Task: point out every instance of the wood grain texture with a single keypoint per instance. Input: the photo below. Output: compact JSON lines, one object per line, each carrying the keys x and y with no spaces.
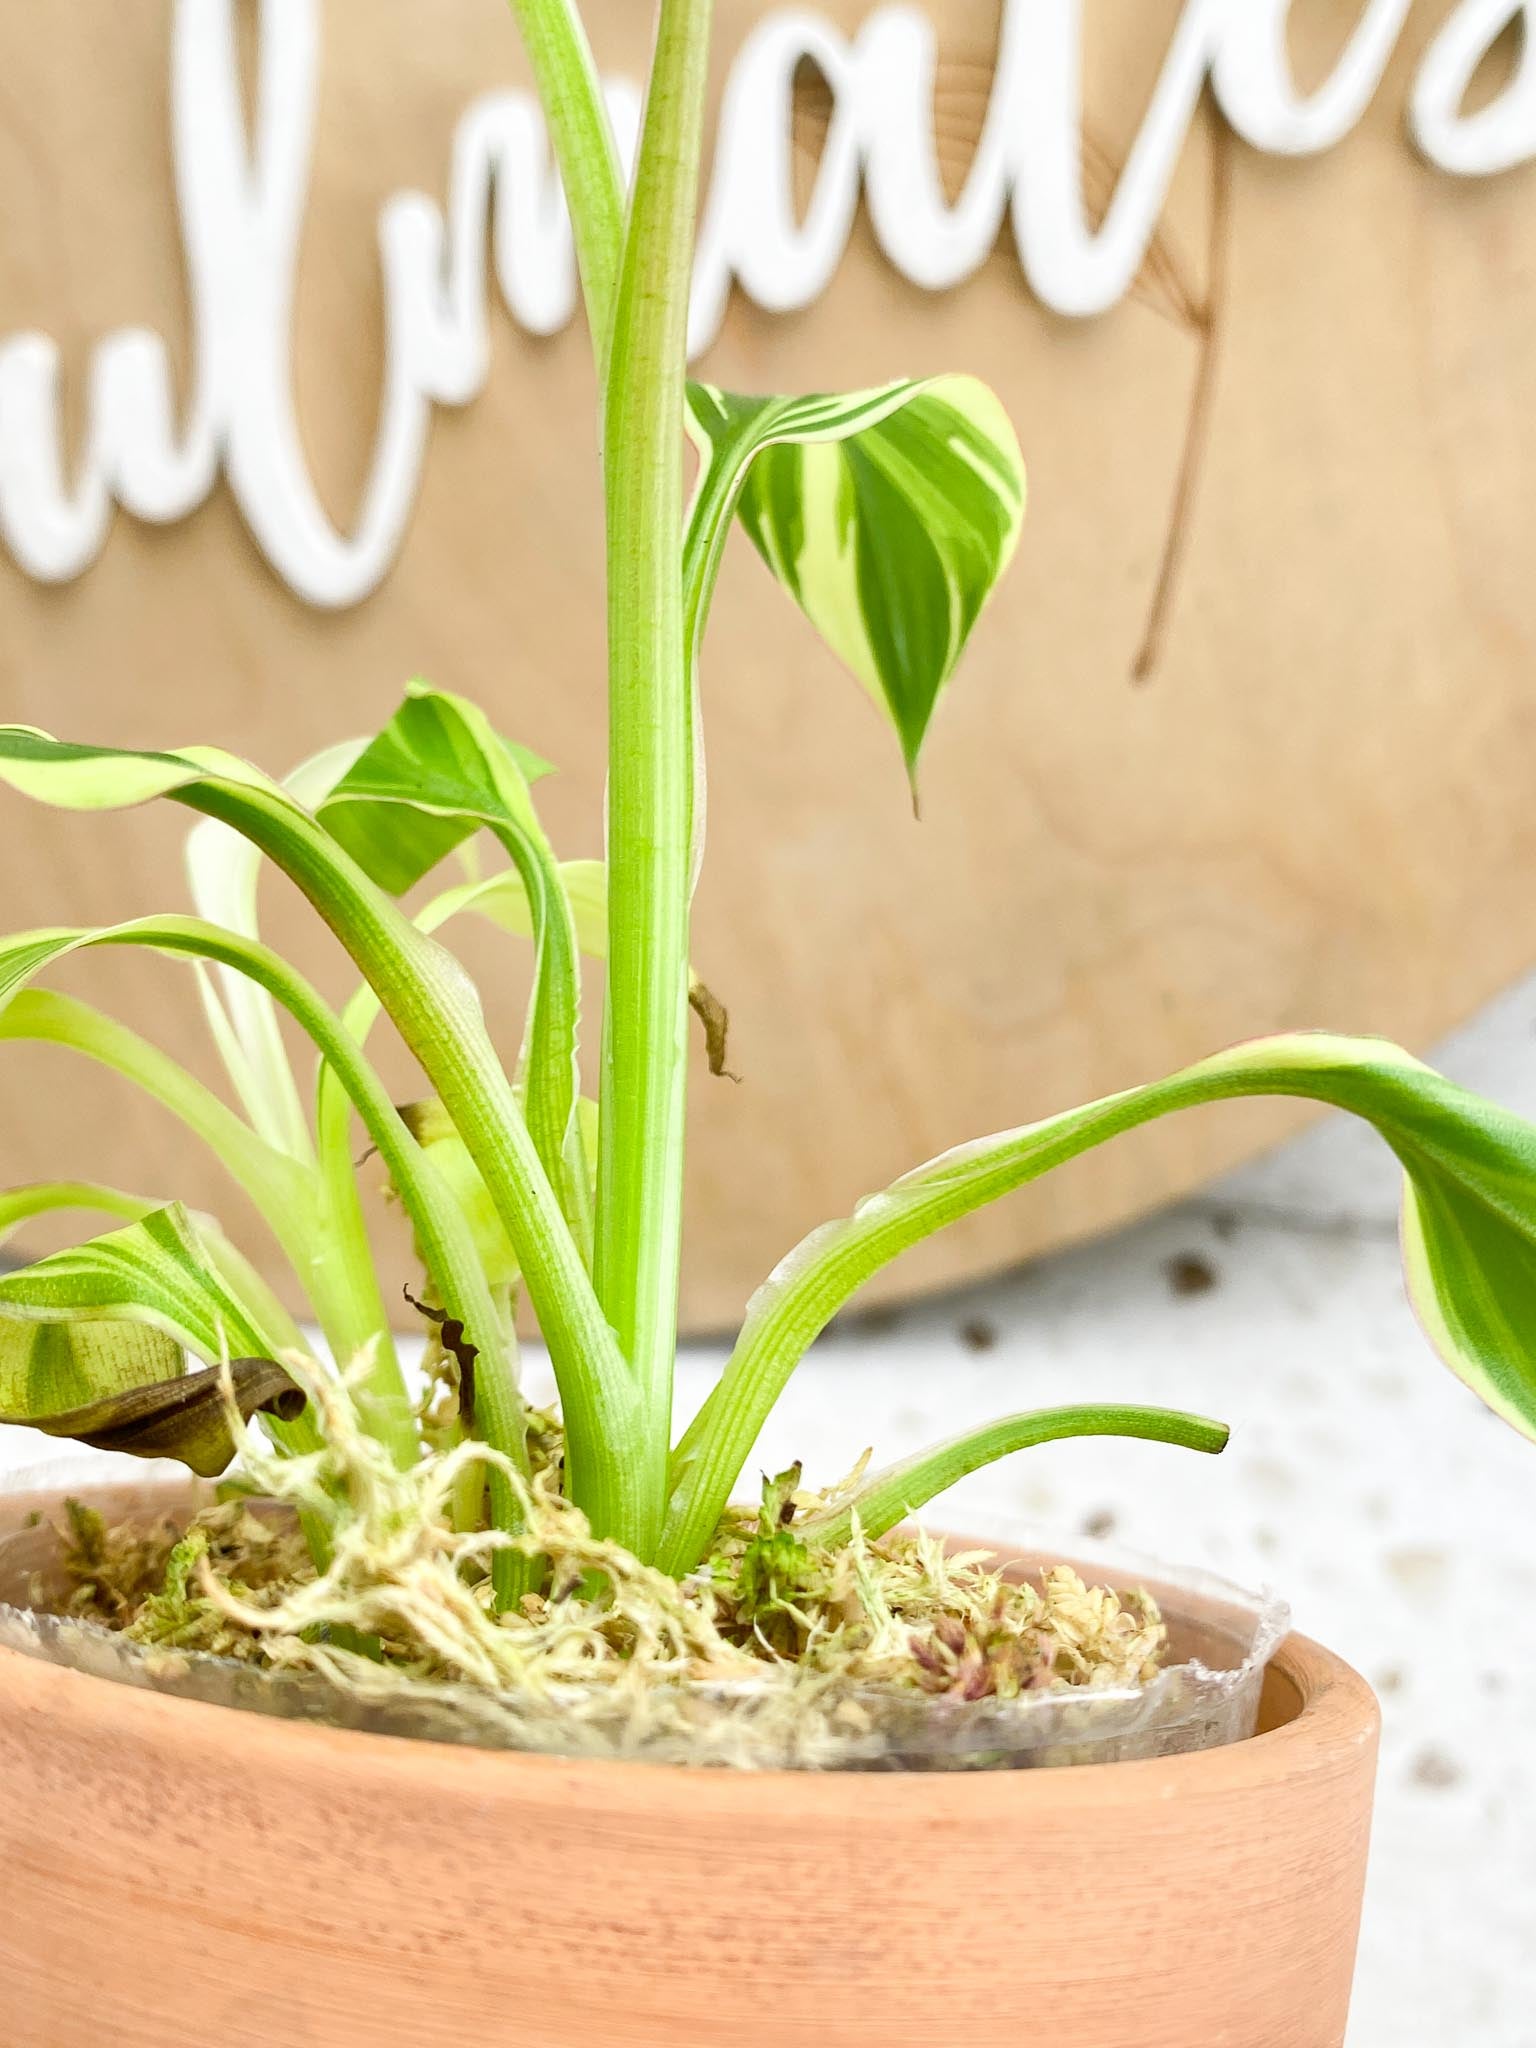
{"x":1261,"y":765}
{"x":188,"y":1875}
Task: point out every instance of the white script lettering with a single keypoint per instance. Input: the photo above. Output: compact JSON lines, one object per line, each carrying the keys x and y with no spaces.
{"x":242,"y":190}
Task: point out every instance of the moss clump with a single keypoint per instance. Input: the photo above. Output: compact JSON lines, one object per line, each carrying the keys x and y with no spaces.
{"x":149,"y":1583}
{"x":807,"y":1631}
{"x":908,"y":1612}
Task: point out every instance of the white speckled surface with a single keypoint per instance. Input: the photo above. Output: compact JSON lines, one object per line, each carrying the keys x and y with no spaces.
{"x":1398,"y":1516}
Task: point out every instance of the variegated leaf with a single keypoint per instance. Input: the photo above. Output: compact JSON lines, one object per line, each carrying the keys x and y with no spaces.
{"x":1469,"y":1233}
{"x":164,"y":1272}
{"x":888,"y":516}
{"x":186,"y":1416}
{"x":437,"y":773}
{"x":93,"y":1339}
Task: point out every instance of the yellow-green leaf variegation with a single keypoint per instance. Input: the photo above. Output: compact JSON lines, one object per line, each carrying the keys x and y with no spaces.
{"x":887,"y":515}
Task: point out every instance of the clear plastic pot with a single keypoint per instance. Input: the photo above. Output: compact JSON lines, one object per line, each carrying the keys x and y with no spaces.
{"x":1221,"y":1641}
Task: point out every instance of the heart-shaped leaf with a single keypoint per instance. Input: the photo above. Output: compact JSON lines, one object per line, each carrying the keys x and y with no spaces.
{"x":887,"y":515}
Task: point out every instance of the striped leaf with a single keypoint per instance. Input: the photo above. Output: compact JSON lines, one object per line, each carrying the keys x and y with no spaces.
{"x":887,"y":515}
{"x":163,"y":1272}
{"x":47,"y":1369}
{"x":1469,"y":1234}
{"x":436,"y":774}
{"x":431,"y":1000}
{"x":186,"y":1416}
{"x":93,"y":1343}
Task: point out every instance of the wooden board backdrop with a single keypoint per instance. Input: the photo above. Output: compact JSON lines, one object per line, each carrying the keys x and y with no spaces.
{"x":1310,"y":803}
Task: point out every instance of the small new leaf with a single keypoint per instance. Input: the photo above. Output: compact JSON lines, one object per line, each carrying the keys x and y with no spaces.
{"x":774,"y":1563}
{"x":434,"y":775}
{"x":888,"y":516}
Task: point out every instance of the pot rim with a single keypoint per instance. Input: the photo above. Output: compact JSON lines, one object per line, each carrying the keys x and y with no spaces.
{"x":1318,"y":1710}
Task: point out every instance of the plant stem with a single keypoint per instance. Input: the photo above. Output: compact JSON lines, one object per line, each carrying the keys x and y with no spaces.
{"x":550,"y":1074}
{"x":889,"y":1497}
{"x":44,"y":1197}
{"x":343,"y":1286}
{"x":650,"y":800}
{"x":436,"y":1009}
{"x":448,"y":1249}
{"x":322,"y":1240}
{"x":582,"y":134}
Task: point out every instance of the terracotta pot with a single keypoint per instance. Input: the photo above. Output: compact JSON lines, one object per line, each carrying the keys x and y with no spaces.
{"x":181,"y":1876}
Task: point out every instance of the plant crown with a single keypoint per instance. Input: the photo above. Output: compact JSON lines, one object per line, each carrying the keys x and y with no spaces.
{"x":888,"y":516}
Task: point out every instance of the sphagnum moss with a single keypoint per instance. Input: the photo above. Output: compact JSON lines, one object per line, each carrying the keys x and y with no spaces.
{"x":406,"y":1598}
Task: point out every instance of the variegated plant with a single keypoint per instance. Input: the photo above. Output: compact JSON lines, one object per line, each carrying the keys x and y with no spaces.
{"x":888,"y":516}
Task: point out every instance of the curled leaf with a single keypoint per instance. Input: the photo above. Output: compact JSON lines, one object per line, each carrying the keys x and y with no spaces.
{"x":1469,"y":1236}
{"x":187,"y":1417}
{"x":451,"y":1335}
{"x":169,"y":1272}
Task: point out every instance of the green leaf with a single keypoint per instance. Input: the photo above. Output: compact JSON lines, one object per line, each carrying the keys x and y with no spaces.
{"x":1469,"y":1234}
{"x":224,"y":872}
{"x":436,"y":1009}
{"x":774,"y":1559}
{"x":336,"y":1275}
{"x":46,"y":1197}
{"x":161,"y":1272}
{"x":886,"y":1498}
{"x":330,"y":1251}
{"x":52,"y":1368}
{"x":441,"y":1231}
{"x":90,"y":1336}
{"x":433,"y":1129}
{"x":440,"y":762}
{"x":503,"y":901}
{"x":180,"y":1415}
{"x":81,"y":778}
{"x":273,"y":1180}
{"x":436,"y":774}
{"x":887,"y":515}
